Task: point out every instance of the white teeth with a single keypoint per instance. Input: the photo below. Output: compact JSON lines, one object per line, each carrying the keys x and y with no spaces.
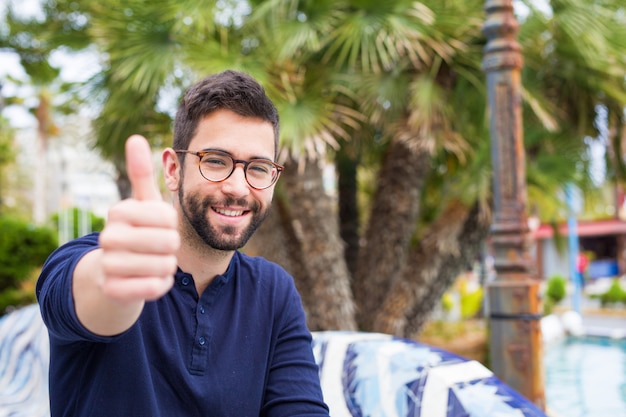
{"x":231,"y":213}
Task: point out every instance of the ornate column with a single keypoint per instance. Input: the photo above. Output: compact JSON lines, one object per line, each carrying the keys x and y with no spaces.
{"x":514,"y":298}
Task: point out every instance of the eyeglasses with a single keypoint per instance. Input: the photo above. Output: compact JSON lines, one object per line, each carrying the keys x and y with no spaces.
{"x":217,"y":166}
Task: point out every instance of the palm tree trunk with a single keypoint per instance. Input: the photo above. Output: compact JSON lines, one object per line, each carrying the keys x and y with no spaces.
{"x":422,"y":268}
{"x":470,"y":241}
{"x":448,"y":246}
{"x":316,"y":229}
{"x":391,"y":226}
{"x":348,"y":207}
{"x":40,"y":197}
{"x":122,"y":182}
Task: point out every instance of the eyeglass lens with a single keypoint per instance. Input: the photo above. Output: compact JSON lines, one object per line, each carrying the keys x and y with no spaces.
{"x":218,"y":167}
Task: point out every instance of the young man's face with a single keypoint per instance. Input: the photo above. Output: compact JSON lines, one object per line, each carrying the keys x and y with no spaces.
{"x":225,"y":214}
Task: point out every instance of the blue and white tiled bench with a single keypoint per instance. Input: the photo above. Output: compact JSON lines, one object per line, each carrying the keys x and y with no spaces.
{"x":377,"y":375}
{"x":362,"y":374}
{"x":24,"y":357}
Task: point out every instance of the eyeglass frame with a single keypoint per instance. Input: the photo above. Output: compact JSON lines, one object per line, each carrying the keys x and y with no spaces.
{"x":202,"y":154}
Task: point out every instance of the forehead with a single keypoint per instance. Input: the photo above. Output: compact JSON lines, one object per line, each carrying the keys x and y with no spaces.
{"x":243,"y":137}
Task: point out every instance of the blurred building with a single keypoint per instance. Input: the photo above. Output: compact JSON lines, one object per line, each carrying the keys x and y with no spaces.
{"x":75,"y":175}
{"x":602,"y":241}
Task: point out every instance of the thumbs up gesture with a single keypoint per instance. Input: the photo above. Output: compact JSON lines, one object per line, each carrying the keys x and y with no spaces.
{"x":140,"y":239}
{"x":136,"y":260}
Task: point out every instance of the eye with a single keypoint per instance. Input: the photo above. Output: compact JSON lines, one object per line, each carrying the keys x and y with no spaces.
{"x":215,"y":161}
{"x":260,"y":168}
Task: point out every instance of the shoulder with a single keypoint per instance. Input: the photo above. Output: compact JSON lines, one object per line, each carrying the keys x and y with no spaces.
{"x":267,"y":279}
{"x":77,"y":246}
{"x":261,"y":267}
{"x":64,"y":258}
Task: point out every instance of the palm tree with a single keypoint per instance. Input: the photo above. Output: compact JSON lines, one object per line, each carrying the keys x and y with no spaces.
{"x":426,"y":119}
{"x":392,"y":89}
{"x":52,"y":96}
{"x":569,"y":72}
{"x":136,"y":37}
{"x":387,"y":49}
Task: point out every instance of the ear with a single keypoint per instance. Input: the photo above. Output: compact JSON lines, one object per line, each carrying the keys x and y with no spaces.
{"x":171,"y":169}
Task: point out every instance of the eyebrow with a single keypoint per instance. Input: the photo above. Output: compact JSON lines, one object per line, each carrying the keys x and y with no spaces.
{"x":232,"y":156}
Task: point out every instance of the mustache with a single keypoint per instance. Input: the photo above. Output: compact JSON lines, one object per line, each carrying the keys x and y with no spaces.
{"x":238,"y":202}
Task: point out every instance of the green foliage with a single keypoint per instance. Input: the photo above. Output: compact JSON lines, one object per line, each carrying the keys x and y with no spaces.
{"x":556,"y":289}
{"x":23,"y":247}
{"x":614,"y":295}
{"x":16,"y":297}
{"x":34,"y":40}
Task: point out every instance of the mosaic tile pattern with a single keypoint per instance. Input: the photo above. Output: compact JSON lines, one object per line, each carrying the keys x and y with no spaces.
{"x":376,"y":375}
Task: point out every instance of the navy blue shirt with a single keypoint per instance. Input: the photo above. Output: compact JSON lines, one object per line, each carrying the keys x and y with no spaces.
{"x":240,"y":349}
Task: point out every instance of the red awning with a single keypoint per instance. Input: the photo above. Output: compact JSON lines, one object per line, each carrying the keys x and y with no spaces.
{"x":585,"y":228}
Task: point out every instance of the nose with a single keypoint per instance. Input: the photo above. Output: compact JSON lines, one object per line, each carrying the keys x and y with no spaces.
{"x":236,"y":185}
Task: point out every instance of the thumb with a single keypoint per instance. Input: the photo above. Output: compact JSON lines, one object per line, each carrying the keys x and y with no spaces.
{"x":141,"y":169}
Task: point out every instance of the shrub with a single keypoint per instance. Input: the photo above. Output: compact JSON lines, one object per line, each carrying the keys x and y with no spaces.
{"x":16,"y":297}
{"x":556,"y":289}
{"x":23,"y":248}
{"x":615,"y":294}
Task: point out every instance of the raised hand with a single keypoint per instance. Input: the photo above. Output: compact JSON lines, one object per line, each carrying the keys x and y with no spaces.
{"x":140,"y":239}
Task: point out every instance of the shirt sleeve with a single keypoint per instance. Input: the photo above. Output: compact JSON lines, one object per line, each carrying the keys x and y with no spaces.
{"x":54,"y":291}
{"x":293,"y":386}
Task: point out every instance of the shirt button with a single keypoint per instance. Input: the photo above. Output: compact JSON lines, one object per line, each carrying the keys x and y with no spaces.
{"x":201,"y":309}
{"x":185,"y":281}
{"x":201,"y":340}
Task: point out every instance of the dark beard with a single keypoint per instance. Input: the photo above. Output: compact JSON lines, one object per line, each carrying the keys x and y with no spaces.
{"x":194,"y":210}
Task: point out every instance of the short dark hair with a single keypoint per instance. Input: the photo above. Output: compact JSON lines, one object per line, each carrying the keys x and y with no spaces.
{"x":228,"y":90}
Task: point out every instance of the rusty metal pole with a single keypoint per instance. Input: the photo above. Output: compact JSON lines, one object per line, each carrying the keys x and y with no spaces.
{"x":513,"y":297}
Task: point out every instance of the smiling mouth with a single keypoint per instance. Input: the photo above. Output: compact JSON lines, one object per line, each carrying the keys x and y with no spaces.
{"x":229,"y":213}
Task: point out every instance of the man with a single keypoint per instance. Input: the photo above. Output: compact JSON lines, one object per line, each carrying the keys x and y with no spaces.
{"x":160,"y":315}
